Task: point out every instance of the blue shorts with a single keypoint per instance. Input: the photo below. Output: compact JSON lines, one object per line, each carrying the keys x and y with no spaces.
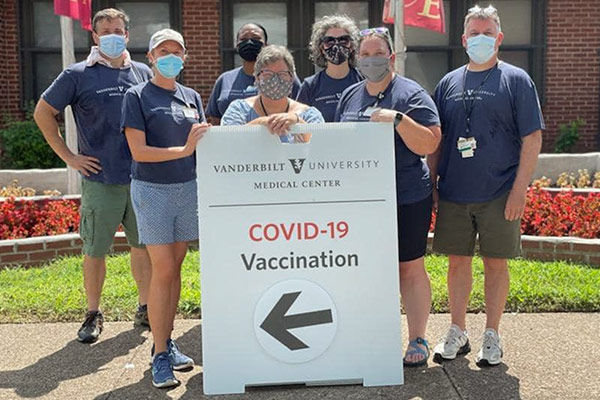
{"x":165,"y":213}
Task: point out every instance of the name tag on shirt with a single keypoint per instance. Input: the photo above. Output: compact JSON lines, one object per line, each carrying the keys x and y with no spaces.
{"x":370,"y":110}
{"x":466,"y":146}
{"x":190,"y":112}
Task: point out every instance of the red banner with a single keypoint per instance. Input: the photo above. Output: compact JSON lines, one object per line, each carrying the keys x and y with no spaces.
{"x":426,"y":14}
{"x":77,"y":9}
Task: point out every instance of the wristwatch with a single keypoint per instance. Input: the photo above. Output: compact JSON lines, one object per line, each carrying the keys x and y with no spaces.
{"x":398,"y":119}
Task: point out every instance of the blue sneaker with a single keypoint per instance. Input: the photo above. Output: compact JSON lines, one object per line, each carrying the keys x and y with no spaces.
{"x":178,"y":359}
{"x":162,"y":371}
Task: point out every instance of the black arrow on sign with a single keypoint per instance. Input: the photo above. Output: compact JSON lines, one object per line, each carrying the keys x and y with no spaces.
{"x":277,"y":323}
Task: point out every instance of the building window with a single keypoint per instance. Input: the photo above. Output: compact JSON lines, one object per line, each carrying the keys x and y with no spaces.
{"x":41,"y":41}
{"x":431,"y":55}
{"x":289,"y":23}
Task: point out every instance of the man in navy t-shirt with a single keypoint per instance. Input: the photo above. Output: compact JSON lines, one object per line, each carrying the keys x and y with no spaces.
{"x":94,"y":89}
{"x":492,"y":133}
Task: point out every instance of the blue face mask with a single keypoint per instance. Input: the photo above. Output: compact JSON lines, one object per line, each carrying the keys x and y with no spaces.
{"x":481,"y":48}
{"x":112,"y":45}
{"x":169,"y":66}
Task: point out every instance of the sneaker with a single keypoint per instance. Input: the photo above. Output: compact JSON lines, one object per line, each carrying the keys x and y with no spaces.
{"x":455,"y":342}
{"x":491,"y":349}
{"x":162,"y":371}
{"x":141,"y":316}
{"x":91,"y":327}
{"x":179,"y":360}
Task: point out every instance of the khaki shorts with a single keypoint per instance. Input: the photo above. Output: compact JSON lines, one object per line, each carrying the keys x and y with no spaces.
{"x":103,"y":208}
{"x":457,"y":226}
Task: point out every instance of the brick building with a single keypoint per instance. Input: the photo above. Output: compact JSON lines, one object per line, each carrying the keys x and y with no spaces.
{"x":556,"y":41}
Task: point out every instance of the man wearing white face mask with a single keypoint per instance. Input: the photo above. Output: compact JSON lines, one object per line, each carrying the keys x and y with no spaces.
{"x":492,"y":133}
{"x":94,"y":88}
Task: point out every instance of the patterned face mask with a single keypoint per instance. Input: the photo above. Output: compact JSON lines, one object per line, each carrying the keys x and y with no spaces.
{"x":336,"y":54}
{"x":275,"y":86}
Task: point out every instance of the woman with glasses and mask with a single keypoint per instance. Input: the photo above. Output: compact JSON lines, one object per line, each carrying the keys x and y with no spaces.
{"x":387,"y":97}
{"x":238,"y":83}
{"x":163,"y":121}
{"x":333,"y":47}
{"x":274,"y":73}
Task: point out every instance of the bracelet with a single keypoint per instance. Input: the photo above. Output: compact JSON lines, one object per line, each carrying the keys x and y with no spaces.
{"x":297,"y":118}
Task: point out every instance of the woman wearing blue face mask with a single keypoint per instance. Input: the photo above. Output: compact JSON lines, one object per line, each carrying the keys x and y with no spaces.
{"x":387,"y":97}
{"x":163,"y":122}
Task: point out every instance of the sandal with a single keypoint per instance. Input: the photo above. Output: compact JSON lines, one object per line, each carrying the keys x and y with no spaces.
{"x":413,"y":348}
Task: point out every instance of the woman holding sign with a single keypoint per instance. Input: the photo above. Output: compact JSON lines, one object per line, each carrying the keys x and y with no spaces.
{"x":163,"y":122}
{"x":333,"y":46}
{"x":274,"y":73}
{"x":387,"y":97}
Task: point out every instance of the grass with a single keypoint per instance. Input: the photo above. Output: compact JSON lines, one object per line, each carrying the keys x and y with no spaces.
{"x":55,"y":292}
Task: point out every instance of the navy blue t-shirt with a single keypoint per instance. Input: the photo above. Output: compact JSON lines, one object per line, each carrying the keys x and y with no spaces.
{"x":505,"y":109}
{"x":161,"y":114}
{"x":233,"y":85}
{"x":323,"y":92}
{"x":413,"y":182}
{"x":95,"y":95}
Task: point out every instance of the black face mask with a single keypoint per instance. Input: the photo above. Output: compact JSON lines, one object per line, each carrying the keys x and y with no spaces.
{"x":336,"y":54}
{"x":249,"y":49}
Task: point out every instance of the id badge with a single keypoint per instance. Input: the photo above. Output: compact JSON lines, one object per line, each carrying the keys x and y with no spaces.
{"x":466,"y":146}
{"x":190,"y":112}
{"x":370,"y":110}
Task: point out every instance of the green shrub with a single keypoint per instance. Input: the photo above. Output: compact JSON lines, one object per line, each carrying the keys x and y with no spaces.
{"x":24,"y":147}
{"x":568,"y":137}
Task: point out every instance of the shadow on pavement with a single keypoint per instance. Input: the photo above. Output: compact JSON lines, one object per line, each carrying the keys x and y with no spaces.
{"x":430,"y":383}
{"x":72,"y":361}
{"x":473,"y":382}
{"x":190,"y":343}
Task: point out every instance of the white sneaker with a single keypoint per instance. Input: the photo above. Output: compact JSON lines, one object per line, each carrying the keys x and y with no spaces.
{"x":455,"y":342}
{"x":491,"y":349}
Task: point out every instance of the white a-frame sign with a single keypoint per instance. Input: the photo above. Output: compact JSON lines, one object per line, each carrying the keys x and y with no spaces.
{"x":299,"y":259}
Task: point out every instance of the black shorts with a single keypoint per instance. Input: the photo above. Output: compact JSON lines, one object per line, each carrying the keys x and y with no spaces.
{"x":413,"y":226}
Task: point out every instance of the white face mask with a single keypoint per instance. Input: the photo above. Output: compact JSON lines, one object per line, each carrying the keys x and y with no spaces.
{"x":481,"y":48}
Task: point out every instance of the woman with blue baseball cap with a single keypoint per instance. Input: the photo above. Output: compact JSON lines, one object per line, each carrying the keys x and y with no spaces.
{"x":163,"y":121}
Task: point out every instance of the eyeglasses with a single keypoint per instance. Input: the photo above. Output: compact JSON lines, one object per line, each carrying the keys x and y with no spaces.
{"x":329,"y":41}
{"x":381,"y":30}
{"x":283,"y":75}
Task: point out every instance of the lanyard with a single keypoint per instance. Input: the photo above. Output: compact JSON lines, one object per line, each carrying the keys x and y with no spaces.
{"x":287,"y":108}
{"x":372,"y":107}
{"x":469,"y":109}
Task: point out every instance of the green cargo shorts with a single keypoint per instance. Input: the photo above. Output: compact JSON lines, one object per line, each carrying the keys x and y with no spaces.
{"x":103,"y":208}
{"x":457,"y":226}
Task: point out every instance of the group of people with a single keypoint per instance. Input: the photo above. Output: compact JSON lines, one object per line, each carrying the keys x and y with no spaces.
{"x":138,"y":129}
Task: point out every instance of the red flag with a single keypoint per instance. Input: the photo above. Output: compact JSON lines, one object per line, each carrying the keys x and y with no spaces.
{"x":426,"y":14}
{"x":76,"y":9}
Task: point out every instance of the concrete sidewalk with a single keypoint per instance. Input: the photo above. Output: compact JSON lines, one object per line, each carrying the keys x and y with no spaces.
{"x":547,"y":356}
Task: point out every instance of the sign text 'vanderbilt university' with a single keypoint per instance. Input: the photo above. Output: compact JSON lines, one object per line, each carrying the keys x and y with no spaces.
{"x":299,"y":259}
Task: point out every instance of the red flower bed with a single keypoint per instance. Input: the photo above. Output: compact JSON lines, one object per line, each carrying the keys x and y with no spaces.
{"x":26,"y":218}
{"x":546,"y":214}
{"x":564,"y":214}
